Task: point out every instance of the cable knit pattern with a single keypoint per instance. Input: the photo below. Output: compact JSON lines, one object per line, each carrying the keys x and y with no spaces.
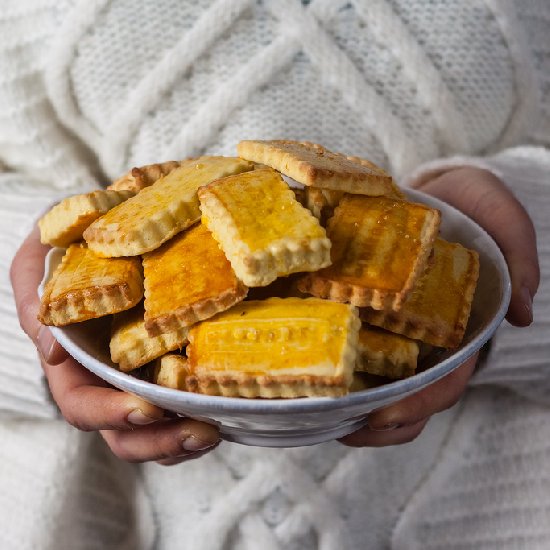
{"x":89,"y":88}
{"x":490,"y":489}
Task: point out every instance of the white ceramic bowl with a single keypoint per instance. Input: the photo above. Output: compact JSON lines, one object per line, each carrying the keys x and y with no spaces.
{"x":306,"y":421}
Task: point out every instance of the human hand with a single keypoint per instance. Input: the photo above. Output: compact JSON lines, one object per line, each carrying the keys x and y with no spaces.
{"x":485,"y":199}
{"x":135,"y":430}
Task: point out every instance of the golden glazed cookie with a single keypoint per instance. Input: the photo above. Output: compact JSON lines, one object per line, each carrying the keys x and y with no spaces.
{"x":437,"y":310}
{"x":386,"y":354}
{"x":160,"y":211}
{"x":65,"y":223}
{"x":380,"y":247}
{"x":188,"y":279}
{"x":261,"y":227}
{"x":131,"y":346}
{"x":84,"y":287}
{"x":313,"y":165}
{"x":279,"y":347}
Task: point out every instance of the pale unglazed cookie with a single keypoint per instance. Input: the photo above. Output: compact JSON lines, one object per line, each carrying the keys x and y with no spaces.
{"x":144,"y":176}
{"x":188,"y":279}
{"x":65,"y":223}
{"x":131,"y":346}
{"x":84,"y":286}
{"x":261,"y":227}
{"x":322,"y":202}
{"x":313,"y":165}
{"x":437,"y":310}
{"x":380,"y":247}
{"x":279,"y":347}
{"x":171,"y":371}
{"x":158,"y":212}
{"x":386,"y":354}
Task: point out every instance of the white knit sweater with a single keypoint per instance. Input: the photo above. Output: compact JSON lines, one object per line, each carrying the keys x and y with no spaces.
{"x":89,"y":88}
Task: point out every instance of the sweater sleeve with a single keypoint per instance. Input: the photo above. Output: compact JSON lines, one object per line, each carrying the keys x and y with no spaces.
{"x":519,"y":358}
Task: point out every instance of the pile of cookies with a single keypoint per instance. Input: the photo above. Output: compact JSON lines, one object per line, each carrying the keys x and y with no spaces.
{"x":231,"y":282}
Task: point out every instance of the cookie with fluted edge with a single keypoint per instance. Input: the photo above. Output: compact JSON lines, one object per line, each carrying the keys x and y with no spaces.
{"x":84,"y":286}
{"x":65,"y":223}
{"x":131,"y":346}
{"x":140,"y":177}
{"x":386,"y":354}
{"x":263,"y":230}
{"x":438,"y":309}
{"x":199,"y":277}
{"x":322,"y":202}
{"x":313,"y":165}
{"x":171,"y":371}
{"x":279,"y":347}
{"x":160,"y":211}
{"x":380,"y":247}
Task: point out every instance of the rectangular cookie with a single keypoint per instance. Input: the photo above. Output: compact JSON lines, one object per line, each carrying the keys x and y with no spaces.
{"x":279,"y":347}
{"x":143,"y":176}
{"x":199,"y":277}
{"x":159,"y":211}
{"x":386,"y":354}
{"x":84,"y":286}
{"x":313,"y":165}
{"x":261,"y":227}
{"x":131,"y":346}
{"x":171,"y":371}
{"x":437,"y":310}
{"x":380,"y":247}
{"x":322,"y":202}
{"x":65,"y":223}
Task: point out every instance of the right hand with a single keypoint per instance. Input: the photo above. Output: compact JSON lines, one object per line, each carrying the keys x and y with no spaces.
{"x":135,"y":430}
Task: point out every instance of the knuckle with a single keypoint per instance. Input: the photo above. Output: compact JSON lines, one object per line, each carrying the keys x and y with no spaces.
{"x":26,"y":310}
{"x":119,"y":446}
{"x":14,"y":267}
{"x":70,"y":407}
{"x":409,"y":438}
{"x":74,"y":420}
{"x":166,"y":446}
{"x":411,"y":434}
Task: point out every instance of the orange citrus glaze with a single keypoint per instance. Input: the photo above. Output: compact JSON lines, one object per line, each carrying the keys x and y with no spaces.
{"x":264,"y":209}
{"x":375,"y":241}
{"x":269,"y":335}
{"x":82,"y":269}
{"x":187,"y":269}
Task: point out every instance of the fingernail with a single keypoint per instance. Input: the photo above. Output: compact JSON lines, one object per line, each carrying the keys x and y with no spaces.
{"x":138,"y":417}
{"x":45,"y":342}
{"x":386,"y":427}
{"x":193,"y":444}
{"x":527,"y":302}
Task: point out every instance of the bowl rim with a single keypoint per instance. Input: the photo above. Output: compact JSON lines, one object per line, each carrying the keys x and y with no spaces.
{"x":209,"y":403}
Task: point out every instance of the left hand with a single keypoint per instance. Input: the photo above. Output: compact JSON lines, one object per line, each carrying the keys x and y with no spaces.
{"x":485,"y":199}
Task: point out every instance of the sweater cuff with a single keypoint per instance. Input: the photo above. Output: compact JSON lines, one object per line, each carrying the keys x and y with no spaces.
{"x":519,"y":358}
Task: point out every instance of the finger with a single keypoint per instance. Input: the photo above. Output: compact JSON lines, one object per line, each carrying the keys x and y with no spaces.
{"x":437,"y":397}
{"x":397,"y":435}
{"x":186,"y":457}
{"x":484,"y":198}
{"x":174,"y":439}
{"x":89,"y":403}
{"x":27,"y":270}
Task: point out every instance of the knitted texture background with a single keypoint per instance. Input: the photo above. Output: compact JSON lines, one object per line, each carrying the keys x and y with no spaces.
{"x":89,"y":88}
{"x":399,"y":82}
